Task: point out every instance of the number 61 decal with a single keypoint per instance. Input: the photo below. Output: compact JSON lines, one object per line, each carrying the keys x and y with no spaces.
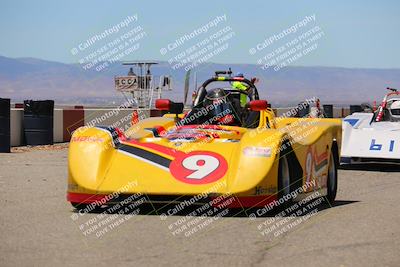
{"x":200,"y":167}
{"x":378,"y":147}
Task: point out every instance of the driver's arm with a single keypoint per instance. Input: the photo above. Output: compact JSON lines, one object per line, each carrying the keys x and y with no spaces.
{"x":241,"y":87}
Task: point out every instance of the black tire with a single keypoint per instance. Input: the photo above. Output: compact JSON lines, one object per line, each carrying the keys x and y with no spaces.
{"x":332,"y":181}
{"x":284,"y":177}
{"x":79,"y":206}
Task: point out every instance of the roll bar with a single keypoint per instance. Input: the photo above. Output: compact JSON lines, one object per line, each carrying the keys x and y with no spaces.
{"x":201,"y":92}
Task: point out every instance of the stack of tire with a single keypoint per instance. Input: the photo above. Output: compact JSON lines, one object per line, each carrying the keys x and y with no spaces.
{"x":38,"y":122}
{"x":303,"y":110}
{"x":4,"y":125}
{"x":355,"y":108}
{"x":328,"y":110}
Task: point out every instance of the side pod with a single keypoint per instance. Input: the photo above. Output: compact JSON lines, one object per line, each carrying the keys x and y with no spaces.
{"x":90,"y":154}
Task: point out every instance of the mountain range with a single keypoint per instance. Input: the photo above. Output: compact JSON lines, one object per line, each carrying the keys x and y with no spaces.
{"x":31,"y":78}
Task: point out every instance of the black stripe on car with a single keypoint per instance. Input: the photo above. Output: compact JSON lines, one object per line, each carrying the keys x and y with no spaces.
{"x":147,"y":155}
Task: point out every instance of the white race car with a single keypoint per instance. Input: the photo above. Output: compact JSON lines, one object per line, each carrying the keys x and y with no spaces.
{"x":373,"y":137}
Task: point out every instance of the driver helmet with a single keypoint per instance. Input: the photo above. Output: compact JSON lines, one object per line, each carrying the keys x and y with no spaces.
{"x":218,"y":107}
{"x":395,"y":110}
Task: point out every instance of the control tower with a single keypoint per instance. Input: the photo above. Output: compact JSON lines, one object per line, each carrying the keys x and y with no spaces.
{"x":143,"y":86}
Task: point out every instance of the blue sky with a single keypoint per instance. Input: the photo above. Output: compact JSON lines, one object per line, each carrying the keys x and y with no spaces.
{"x":356,"y":33}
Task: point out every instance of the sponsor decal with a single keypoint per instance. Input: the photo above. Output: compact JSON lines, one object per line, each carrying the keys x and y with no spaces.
{"x":90,"y":139}
{"x":265,"y":190}
{"x":253,"y":151}
{"x":231,"y":141}
{"x":182,"y":140}
{"x":316,"y":167}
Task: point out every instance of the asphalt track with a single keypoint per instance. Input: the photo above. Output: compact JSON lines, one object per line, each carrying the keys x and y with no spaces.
{"x":37,"y":226}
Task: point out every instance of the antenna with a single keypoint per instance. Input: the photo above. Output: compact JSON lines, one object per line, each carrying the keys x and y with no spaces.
{"x":186,"y":88}
{"x":195,"y":81}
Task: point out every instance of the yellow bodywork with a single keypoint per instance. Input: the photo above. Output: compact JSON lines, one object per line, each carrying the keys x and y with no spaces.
{"x":97,"y":166}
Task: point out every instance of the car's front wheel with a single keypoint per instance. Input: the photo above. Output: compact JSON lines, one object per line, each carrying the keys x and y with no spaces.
{"x":79,"y":206}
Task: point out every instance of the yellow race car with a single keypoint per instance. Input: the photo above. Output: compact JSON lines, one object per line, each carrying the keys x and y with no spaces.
{"x":219,"y":148}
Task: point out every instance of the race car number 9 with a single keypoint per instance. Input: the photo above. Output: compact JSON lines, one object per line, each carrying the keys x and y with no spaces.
{"x":200,"y":167}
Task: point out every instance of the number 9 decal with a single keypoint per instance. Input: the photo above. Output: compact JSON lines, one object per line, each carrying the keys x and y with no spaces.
{"x":200,"y":167}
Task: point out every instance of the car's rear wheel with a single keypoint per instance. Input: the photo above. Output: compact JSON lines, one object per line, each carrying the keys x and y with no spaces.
{"x":283,"y":178}
{"x":332,"y":181}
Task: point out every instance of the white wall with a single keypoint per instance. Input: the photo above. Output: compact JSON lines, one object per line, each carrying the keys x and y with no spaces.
{"x":109,"y":117}
{"x":58,"y":122}
{"x":16,"y":130}
{"x":99,"y":117}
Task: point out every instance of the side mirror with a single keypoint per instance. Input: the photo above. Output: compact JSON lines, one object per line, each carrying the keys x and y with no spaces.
{"x":168,"y":105}
{"x":163,"y":104}
{"x":257,"y":105}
